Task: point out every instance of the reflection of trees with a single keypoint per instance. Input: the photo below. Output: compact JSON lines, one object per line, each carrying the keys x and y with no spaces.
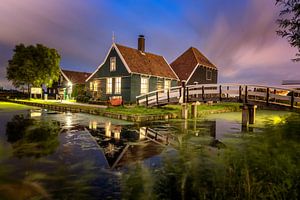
{"x":32,"y":138}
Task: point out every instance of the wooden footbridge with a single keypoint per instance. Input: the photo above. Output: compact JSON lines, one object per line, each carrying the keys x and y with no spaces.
{"x":283,"y":97}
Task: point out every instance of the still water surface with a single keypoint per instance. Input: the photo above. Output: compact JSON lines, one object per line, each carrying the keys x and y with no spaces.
{"x":92,"y":152}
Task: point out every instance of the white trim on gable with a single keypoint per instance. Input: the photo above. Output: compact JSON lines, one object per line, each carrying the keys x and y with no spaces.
{"x":171,"y":68}
{"x":64,"y":75}
{"x":110,"y":49}
{"x":100,"y":64}
{"x":122,"y":58}
{"x":192,"y":73}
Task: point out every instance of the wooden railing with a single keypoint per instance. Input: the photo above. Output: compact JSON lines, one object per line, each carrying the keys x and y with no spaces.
{"x":221,"y":92}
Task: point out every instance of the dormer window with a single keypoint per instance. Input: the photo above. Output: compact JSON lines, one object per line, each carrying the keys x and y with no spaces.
{"x":113,"y":65}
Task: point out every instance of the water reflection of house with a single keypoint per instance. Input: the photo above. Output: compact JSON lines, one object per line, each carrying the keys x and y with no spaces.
{"x":65,"y":86}
{"x":123,"y":146}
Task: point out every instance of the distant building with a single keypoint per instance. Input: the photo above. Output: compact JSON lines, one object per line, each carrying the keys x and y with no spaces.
{"x":127,"y":72}
{"x":67,"y":81}
{"x":193,"y":67}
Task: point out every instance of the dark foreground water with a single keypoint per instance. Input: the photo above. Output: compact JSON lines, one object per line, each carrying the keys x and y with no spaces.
{"x":51,"y":155}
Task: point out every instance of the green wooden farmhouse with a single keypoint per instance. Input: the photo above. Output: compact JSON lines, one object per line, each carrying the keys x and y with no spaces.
{"x":128,"y":72}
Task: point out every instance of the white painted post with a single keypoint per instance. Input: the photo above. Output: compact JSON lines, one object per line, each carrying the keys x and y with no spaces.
{"x":184,"y":111}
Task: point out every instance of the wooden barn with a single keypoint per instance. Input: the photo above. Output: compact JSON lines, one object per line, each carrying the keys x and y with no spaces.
{"x":128,"y":72}
{"x":68,"y":80}
{"x":194,"y":68}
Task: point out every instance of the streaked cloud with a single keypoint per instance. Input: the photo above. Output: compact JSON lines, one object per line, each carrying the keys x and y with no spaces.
{"x":238,"y":36}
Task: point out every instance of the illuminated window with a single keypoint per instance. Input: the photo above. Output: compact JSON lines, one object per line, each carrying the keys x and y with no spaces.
{"x":95,"y":86}
{"x":108,"y":85}
{"x":208,"y":74}
{"x":118,"y":85}
{"x":91,"y":86}
{"x":167,"y":84}
{"x":144,"y":85}
{"x":113,"y":64}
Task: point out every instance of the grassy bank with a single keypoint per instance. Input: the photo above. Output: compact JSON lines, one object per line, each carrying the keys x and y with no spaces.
{"x":132,"y":112}
{"x":8,"y":107}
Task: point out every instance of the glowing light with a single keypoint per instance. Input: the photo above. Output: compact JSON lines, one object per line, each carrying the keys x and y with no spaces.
{"x":93,"y":125}
{"x":69,"y":120}
{"x":108,"y":129}
{"x":142,"y":133}
{"x":70,"y":84}
{"x":277,"y":120}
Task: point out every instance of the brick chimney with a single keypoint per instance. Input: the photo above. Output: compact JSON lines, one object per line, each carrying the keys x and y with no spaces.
{"x":141,"y":43}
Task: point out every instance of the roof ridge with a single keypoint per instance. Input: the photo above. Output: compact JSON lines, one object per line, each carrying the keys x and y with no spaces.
{"x":75,"y":71}
{"x":137,"y":50}
{"x":196,"y":51}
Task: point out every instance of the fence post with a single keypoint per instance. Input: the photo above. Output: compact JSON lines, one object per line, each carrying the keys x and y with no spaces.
{"x":240,"y":93}
{"x":292,"y":99}
{"x":179,"y":92}
{"x":187,"y":94}
{"x":246,"y":94}
{"x":202,"y":92}
{"x":220,"y":92}
{"x":147,"y":100}
{"x":156,"y":97}
{"x":168,"y":95}
{"x":227,"y":92}
{"x":137,"y":101}
{"x":268,"y":96}
{"x":183,"y":85}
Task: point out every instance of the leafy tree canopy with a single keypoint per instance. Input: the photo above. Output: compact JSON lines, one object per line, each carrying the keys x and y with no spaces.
{"x":289,"y":23}
{"x":33,"y":66}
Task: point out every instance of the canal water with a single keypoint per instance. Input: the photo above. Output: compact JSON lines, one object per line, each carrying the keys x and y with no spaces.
{"x":88,"y":155}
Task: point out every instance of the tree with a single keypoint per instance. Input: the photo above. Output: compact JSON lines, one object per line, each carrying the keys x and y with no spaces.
{"x":33,"y":66}
{"x":289,"y":23}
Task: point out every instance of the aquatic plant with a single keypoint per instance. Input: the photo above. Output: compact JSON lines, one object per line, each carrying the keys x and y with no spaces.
{"x":263,"y":165}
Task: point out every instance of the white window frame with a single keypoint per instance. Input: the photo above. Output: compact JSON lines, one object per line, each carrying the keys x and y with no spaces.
{"x":144,"y":85}
{"x":118,"y":84}
{"x":108,"y":85}
{"x":113,"y":64}
{"x":207,"y":76}
{"x":167,"y":84}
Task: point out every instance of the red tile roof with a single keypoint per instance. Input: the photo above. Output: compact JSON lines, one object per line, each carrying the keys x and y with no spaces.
{"x":146,"y":63}
{"x":186,"y":62}
{"x":76,"y":77}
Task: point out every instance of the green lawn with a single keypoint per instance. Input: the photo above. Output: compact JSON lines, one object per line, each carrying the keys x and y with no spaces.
{"x":141,"y":110}
{"x":204,"y":108}
{"x":8,"y":107}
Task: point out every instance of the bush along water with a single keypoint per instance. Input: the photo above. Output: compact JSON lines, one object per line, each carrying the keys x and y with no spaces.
{"x":262,"y":165}
{"x":32,"y":138}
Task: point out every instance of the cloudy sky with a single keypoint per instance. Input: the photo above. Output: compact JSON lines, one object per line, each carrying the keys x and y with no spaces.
{"x":237,"y":35}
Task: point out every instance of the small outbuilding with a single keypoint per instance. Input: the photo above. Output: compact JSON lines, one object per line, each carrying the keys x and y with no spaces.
{"x":68,"y":82}
{"x":194,"y":68}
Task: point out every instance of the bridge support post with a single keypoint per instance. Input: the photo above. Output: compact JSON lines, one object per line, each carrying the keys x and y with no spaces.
{"x":184,"y":110}
{"x":252,"y":112}
{"x":245,"y":115}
